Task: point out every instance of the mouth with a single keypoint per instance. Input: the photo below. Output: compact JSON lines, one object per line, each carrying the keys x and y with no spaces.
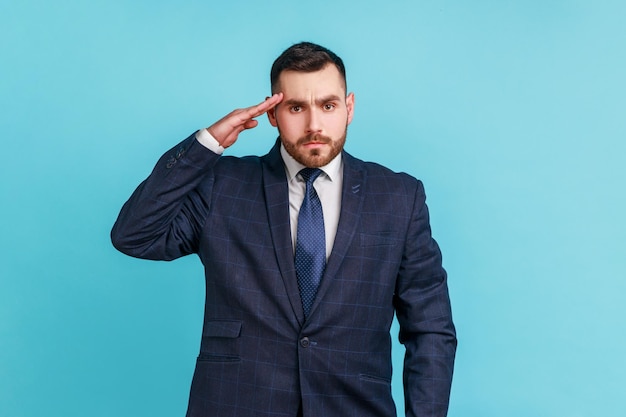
{"x":316,"y":141}
{"x":314,"y":144}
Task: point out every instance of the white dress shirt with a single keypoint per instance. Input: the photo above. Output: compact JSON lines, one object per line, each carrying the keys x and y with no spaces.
{"x":328,"y":187}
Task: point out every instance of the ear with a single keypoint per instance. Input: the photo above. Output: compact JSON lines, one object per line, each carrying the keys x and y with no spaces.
{"x":271,"y":115}
{"x":350,"y":106}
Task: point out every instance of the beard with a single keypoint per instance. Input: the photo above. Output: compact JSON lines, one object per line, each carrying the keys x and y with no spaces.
{"x":315,"y":158}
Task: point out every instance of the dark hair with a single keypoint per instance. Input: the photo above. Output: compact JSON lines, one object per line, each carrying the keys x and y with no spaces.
{"x":305,"y":57}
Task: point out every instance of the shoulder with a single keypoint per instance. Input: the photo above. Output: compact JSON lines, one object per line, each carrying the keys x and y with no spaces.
{"x":379,"y":176}
{"x":233,"y":172}
{"x":397,"y":194}
{"x":251,"y":165}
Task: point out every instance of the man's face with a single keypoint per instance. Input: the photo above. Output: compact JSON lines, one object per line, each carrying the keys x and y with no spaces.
{"x":313,"y":116}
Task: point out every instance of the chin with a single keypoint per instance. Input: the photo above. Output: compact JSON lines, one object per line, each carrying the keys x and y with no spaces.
{"x":315,"y":158}
{"x":312,"y":161}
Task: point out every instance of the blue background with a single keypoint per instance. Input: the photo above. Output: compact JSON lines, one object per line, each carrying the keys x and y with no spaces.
{"x":511,"y":112}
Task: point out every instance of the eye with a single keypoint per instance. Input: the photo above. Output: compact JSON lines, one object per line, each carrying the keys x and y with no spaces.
{"x":329,"y":106}
{"x":295,"y":109}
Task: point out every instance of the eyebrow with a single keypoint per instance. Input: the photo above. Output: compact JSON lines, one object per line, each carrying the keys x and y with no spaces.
{"x":321,"y":100}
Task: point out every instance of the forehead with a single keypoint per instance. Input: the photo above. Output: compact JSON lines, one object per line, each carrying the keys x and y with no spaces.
{"x":327,"y":81}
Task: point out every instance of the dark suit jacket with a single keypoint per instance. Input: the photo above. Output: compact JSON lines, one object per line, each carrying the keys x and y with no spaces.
{"x":258,"y":355}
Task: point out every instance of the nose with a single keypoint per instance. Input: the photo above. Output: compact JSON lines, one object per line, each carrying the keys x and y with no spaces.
{"x":313,"y":122}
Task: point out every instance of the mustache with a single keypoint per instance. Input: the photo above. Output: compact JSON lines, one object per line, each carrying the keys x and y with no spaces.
{"x":314,"y":137}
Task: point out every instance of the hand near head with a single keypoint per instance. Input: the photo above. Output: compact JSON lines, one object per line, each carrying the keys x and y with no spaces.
{"x":227,"y":129}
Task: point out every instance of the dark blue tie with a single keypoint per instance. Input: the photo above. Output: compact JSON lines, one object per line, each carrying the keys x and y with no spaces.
{"x":310,"y":241}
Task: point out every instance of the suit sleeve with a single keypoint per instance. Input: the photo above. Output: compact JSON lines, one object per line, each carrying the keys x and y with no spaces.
{"x":163,"y":217}
{"x":424,"y":314}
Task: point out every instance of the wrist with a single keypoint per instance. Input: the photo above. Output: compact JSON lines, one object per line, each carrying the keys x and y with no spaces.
{"x":207,"y":140}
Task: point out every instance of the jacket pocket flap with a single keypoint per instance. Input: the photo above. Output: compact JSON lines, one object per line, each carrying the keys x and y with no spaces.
{"x":222,"y":328}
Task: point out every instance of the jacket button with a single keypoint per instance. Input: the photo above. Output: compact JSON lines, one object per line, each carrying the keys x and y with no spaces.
{"x":304,"y":342}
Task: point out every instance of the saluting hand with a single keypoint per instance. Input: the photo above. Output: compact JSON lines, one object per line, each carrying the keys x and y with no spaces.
{"x":227,"y":129}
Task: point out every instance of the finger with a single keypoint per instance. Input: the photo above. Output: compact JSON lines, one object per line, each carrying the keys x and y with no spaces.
{"x":250,"y":124}
{"x":264,"y":106}
{"x":240,"y":116}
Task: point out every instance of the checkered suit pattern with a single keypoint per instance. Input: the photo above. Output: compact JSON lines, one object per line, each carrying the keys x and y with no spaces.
{"x":259,"y":355}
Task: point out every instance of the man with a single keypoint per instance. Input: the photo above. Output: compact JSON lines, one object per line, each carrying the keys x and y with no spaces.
{"x":304,"y":267}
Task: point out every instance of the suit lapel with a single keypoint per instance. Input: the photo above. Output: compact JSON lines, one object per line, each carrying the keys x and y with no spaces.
{"x":277,"y":202}
{"x":352,"y":196}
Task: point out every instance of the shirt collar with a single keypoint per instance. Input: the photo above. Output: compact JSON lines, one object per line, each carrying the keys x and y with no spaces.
{"x":332,"y":169}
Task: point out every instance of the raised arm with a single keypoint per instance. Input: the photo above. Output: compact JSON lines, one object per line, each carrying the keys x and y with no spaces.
{"x":164,"y":215}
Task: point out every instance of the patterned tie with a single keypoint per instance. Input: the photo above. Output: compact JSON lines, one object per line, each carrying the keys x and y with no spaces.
{"x":310,"y":241}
